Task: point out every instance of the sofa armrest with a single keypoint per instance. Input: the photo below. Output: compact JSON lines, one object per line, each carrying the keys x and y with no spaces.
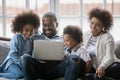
{"x":4,"y":39}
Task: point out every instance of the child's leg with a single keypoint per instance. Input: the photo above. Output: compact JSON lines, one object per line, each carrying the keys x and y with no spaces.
{"x":13,"y":72}
{"x":1,"y":70}
{"x":75,"y":68}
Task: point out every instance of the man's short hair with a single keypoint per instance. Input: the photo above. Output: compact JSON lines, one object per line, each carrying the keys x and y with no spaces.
{"x":50,"y":14}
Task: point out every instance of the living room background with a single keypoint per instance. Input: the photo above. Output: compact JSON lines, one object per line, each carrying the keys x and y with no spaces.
{"x":68,"y":12}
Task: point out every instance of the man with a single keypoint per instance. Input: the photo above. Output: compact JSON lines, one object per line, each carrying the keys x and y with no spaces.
{"x":34,"y":69}
{"x":50,"y":24}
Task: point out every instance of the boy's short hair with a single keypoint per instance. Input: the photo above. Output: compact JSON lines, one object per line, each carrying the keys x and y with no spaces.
{"x":74,"y":31}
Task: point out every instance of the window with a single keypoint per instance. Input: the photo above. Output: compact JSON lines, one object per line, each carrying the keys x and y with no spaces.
{"x":69,"y":13}
{"x":69,"y":8}
{"x":10,"y":8}
{"x":74,"y":12}
{"x":113,"y":6}
{"x":88,"y":5}
{"x":14,"y":6}
{"x":40,"y":6}
{"x":9,"y":34}
{"x":1,"y":7}
{"x":1,"y":27}
{"x":115,"y":30}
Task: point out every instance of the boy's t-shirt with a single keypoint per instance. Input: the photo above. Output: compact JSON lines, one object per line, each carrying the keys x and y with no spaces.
{"x":80,"y":51}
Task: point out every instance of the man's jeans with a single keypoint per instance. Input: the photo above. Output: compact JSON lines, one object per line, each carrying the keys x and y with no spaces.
{"x":34,"y":69}
{"x":69,"y":68}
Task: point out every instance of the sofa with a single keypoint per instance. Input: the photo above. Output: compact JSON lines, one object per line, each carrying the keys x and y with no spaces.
{"x":4,"y":48}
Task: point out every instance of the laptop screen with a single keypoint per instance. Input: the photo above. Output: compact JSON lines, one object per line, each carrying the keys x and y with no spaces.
{"x":48,"y":50}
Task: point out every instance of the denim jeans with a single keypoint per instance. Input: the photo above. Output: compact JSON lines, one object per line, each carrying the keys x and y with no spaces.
{"x":34,"y":69}
{"x":70,"y":68}
{"x":13,"y":72}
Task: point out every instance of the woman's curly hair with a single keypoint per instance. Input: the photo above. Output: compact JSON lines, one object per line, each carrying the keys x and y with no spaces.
{"x":103,"y":15}
{"x":75,"y":32}
{"x":26,"y":17}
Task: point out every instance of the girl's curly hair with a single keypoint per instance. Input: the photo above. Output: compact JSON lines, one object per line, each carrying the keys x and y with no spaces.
{"x":103,"y":15}
{"x":26,"y":17}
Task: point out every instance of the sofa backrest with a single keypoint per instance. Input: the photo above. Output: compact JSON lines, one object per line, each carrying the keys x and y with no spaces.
{"x":4,"y":48}
{"x":117,"y":49}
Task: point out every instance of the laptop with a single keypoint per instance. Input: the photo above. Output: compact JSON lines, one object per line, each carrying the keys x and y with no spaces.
{"x":48,"y":50}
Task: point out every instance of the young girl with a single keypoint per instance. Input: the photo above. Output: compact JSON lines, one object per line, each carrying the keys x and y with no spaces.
{"x":23,"y":26}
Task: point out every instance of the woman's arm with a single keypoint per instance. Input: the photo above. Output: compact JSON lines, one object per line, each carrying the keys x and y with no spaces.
{"x":108,"y":51}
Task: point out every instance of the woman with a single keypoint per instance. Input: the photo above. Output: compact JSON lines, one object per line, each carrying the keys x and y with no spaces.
{"x":100,"y":45}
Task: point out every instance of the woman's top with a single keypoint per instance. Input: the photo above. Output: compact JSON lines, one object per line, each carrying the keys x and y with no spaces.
{"x":104,"y":49}
{"x":91,"y":48}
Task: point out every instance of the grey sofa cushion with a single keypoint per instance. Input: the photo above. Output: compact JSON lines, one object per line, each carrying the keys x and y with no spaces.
{"x":4,"y":49}
{"x":117,"y":49}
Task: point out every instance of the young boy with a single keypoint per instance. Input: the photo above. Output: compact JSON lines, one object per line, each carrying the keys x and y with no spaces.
{"x":72,"y":36}
{"x":77,"y":61}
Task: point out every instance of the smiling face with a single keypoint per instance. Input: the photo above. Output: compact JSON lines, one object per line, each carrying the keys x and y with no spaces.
{"x":27,"y":31}
{"x":96,"y":26}
{"x":69,"y":42}
{"x":49,"y":26}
